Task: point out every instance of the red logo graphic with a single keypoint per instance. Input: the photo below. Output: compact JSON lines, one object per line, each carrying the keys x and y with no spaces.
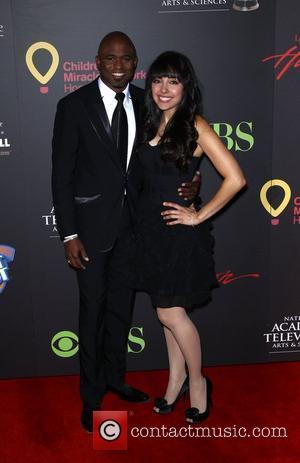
{"x":290,"y":59}
{"x":110,"y":430}
{"x":228,"y":276}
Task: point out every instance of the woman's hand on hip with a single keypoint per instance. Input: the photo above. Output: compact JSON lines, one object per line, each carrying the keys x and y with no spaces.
{"x":180,"y":215}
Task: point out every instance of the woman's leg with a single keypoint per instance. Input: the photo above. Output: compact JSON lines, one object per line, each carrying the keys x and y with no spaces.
{"x":177,"y":373}
{"x":187,"y":337}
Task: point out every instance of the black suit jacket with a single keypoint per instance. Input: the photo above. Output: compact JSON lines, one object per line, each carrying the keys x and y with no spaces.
{"x":88,"y":181}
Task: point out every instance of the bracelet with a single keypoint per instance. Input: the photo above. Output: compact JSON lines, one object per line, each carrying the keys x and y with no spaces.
{"x":69,"y":238}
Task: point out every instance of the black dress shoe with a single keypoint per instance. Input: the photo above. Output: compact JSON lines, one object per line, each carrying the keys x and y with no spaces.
{"x":86,"y":418}
{"x":162,"y":407}
{"x":130,"y":394}
{"x":193,"y":415}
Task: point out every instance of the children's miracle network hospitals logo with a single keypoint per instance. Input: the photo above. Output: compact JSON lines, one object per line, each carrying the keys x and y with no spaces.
{"x":287,"y":195}
{"x":7,"y":254}
{"x":42,"y":78}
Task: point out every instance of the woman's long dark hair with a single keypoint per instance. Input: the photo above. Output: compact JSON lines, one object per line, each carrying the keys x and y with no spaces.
{"x":179,"y":139}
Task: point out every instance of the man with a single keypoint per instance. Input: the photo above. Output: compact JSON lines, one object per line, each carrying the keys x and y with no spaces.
{"x":94,"y":182}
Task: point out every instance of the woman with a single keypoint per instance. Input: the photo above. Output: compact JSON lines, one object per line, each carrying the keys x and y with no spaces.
{"x":173,"y":259}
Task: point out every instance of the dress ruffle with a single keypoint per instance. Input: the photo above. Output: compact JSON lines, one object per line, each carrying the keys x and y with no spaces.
{"x":174,"y":264}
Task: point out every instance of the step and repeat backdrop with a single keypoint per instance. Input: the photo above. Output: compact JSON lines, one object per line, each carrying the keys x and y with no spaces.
{"x":247,"y":57}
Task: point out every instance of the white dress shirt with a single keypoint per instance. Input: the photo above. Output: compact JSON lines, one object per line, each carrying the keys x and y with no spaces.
{"x":110,"y":103}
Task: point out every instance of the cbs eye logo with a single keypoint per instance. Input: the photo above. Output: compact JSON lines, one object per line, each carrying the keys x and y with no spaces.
{"x":65,"y":344}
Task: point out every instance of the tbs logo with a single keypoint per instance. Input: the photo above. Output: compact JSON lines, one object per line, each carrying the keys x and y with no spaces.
{"x":7,"y":254}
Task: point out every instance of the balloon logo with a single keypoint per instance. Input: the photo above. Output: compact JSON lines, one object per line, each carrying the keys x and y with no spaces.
{"x":263,"y":197}
{"x":43,"y":79}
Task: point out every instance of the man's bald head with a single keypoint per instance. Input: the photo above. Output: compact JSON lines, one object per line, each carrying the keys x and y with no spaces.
{"x":116,"y":36}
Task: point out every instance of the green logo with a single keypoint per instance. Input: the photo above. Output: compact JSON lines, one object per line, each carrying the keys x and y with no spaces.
{"x":65,"y":344}
{"x":136,"y":343}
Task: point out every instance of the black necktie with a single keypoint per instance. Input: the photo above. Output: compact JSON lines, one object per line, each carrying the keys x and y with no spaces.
{"x":119,"y":128}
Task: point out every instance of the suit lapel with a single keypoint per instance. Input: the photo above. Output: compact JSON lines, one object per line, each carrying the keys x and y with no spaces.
{"x":100,"y":123}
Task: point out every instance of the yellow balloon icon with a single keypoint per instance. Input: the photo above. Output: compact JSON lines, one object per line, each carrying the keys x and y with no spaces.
{"x":263,"y":197}
{"x":43,"y":79}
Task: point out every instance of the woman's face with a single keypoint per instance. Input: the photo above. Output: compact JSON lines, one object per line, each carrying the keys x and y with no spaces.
{"x":167,"y":93}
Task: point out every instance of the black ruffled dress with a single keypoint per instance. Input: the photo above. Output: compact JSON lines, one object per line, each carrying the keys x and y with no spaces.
{"x":173,"y":264}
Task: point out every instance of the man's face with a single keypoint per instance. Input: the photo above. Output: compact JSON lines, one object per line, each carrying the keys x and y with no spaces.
{"x":116,"y":63}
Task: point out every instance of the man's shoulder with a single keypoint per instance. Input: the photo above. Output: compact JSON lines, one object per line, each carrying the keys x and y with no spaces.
{"x":136,"y":92}
{"x":81,"y":93}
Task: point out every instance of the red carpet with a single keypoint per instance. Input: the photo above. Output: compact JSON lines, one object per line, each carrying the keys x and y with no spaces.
{"x":40,"y":419}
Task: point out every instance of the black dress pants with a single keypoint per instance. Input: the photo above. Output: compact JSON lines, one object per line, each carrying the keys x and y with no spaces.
{"x":104,"y":316}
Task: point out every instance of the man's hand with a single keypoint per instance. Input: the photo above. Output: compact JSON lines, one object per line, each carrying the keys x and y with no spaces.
{"x":191,"y":189}
{"x":75,"y":253}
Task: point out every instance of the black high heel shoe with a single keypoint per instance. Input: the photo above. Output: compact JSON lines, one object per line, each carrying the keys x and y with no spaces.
{"x":162,"y":407}
{"x":193,"y":415}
